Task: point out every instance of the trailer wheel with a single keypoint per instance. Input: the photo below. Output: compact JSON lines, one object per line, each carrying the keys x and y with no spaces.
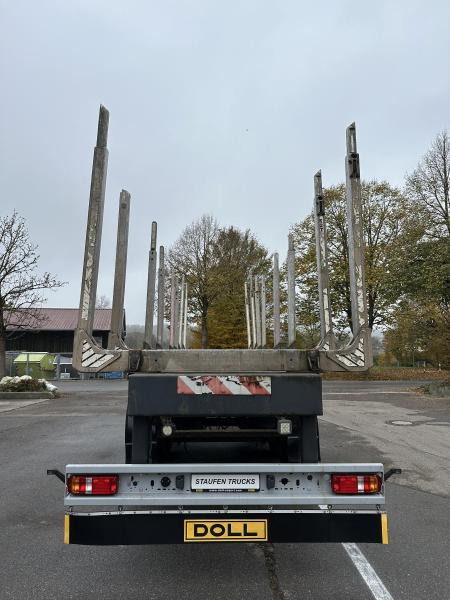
{"x":161,"y":451}
{"x":310,"y":443}
{"x":293,"y":449}
{"x":276,"y":448}
{"x":153,"y":454}
{"x":128,"y":437}
{"x":286,"y":448}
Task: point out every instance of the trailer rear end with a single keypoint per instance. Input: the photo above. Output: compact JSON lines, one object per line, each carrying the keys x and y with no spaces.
{"x":257,"y":395}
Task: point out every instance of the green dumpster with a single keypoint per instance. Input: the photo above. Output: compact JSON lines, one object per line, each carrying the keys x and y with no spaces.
{"x":40,"y":364}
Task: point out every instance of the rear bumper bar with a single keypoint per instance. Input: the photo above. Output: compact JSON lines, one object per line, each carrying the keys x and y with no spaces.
{"x":159,"y":504}
{"x":281,"y":484}
{"x":176,"y":528}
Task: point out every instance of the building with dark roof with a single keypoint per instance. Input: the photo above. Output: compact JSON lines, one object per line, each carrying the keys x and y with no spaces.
{"x":52,"y":329}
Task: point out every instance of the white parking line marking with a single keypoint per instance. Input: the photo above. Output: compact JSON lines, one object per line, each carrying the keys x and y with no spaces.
{"x":367,"y":572}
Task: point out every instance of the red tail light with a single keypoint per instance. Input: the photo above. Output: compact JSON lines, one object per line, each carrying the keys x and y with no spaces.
{"x":93,"y":485}
{"x":355,"y":484}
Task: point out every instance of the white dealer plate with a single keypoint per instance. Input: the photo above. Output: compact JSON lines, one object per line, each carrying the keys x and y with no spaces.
{"x":208,"y":482}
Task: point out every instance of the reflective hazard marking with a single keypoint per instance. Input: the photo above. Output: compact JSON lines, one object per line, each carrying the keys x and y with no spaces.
{"x":225,"y":385}
{"x":66,"y":529}
{"x":236,"y":530}
{"x":384,"y":529}
{"x":89,"y":358}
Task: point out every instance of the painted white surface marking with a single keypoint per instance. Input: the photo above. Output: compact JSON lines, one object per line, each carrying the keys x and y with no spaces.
{"x":367,"y":572}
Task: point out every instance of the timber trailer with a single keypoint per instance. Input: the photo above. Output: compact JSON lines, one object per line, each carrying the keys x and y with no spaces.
{"x":175,"y":394}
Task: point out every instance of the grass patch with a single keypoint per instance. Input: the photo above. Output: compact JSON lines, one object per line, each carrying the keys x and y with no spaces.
{"x":437,"y":388}
{"x":391,"y":374}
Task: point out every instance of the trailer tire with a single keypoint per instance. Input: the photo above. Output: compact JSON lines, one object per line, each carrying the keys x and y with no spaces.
{"x":286,"y":449}
{"x":128,"y":437}
{"x":161,"y":450}
{"x":310,"y":442}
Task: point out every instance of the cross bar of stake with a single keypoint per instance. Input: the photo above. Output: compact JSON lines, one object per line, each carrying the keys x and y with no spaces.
{"x":149,"y":341}
{"x":94,"y":226}
{"x":355,"y":233}
{"x":276,"y":301}
{"x":116,"y":328}
{"x":161,"y":298}
{"x":247,"y":315}
{"x":326,"y":320}
{"x":291,"y":291}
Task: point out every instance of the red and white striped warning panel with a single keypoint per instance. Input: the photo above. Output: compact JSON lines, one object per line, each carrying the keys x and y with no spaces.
{"x":225,"y":385}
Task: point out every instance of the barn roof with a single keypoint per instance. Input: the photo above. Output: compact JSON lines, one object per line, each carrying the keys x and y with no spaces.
{"x":56,"y":319}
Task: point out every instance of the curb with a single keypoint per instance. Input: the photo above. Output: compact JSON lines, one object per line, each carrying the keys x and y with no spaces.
{"x":26,"y":395}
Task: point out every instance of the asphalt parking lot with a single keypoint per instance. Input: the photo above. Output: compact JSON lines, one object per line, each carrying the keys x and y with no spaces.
{"x":362,"y":422}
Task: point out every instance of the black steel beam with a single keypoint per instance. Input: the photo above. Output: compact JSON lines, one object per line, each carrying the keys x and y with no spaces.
{"x":292,"y":394}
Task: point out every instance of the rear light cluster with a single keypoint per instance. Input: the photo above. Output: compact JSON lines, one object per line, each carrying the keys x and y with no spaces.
{"x":356,"y":484}
{"x":93,"y":485}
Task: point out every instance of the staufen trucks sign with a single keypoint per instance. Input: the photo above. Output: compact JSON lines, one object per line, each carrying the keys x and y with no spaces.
{"x":269,"y":398}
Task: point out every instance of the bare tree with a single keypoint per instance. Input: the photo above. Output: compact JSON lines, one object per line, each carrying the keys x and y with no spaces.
{"x":429,"y":184}
{"x":193,"y":255}
{"x":21,"y":287}
{"x":103,"y":302}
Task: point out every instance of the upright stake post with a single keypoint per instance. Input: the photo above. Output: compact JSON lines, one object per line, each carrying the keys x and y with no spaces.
{"x":263,"y":312}
{"x":326,"y":320}
{"x":181,"y":313}
{"x":257,"y":311}
{"x":185,"y":315}
{"x":355,"y":234}
{"x":276,"y":301}
{"x":94,"y":226}
{"x":116,"y":329}
{"x":161,"y":298}
{"x":149,"y":340}
{"x":252,"y":309}
{"x":291,"y":291}
{"x":173,"y":291}
{"x":247,"y":315}
{"x":176,"y":320}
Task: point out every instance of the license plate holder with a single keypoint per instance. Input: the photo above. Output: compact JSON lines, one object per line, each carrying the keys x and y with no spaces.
{"x":225,"y":482}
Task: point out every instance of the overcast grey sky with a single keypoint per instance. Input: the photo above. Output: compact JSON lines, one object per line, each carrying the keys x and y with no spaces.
{"x":225,"y":107}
